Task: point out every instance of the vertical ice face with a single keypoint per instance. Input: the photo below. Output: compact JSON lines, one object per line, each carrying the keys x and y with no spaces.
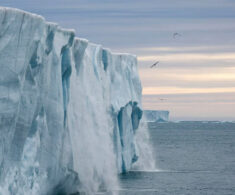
{"x":69,"y":109}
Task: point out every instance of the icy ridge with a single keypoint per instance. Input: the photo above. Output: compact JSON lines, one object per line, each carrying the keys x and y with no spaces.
{"x":70,"y":109}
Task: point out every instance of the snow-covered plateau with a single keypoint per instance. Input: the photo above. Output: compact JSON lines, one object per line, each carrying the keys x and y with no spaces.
{"x":69,"y":109}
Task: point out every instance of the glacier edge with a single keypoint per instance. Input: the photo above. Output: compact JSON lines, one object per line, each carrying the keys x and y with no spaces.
{"x":69,"y":109}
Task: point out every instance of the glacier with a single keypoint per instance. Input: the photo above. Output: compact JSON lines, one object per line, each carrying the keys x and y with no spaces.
{"x":69,"y":109}
{"x":156,"y":115}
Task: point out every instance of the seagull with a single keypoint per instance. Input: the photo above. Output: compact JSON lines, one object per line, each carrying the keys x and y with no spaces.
{"x":154,"y":64}
{"x":162,"y":99}
{"x":176,"y":34}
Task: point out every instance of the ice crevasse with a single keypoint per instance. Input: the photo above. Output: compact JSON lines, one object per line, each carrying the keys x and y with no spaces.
{"x":69,"y":109}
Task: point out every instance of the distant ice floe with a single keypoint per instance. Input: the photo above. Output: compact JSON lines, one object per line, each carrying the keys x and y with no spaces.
{"x":156,"y":115}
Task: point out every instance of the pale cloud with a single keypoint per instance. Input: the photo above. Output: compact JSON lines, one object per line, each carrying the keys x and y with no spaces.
{"x":179,"y":90}
{"x":188,"y":49}
{"x":185,"y":75}
{"x":188,"y":57}
{"x":202,"y":77}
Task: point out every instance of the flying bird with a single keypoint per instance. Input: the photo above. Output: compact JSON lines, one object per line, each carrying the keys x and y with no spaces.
{"x":176,"y":34}
{"x":154,"y":64}
{"x":162,"y":99}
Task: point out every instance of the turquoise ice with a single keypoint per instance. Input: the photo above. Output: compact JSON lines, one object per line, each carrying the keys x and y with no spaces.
{"x":69,"y":109}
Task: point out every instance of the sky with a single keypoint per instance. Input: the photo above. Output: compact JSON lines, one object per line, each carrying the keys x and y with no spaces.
{"x":195,"y":77}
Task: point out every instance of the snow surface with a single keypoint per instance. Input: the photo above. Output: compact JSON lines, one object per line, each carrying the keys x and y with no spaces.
{"x":156,"y":115}
{"x":69,"y":109}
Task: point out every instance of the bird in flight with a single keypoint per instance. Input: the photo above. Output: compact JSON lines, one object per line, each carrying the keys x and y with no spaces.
{"x":154,"y":64}
{"x":176,"y":34}
{"x":162,"y":99}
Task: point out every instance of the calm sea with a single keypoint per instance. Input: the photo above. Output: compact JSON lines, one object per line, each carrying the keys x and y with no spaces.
{"x":191,"y":158}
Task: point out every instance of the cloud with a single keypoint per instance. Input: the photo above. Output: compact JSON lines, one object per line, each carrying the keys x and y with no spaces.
{"x":189,"y":75}
{"x":188,"y":49}
{"x":188,"y":57}
{"x":179,"y":90}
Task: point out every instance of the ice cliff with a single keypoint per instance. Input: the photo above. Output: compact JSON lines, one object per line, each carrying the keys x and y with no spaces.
{"x":69,"y":109}
{"x":156,"y":115}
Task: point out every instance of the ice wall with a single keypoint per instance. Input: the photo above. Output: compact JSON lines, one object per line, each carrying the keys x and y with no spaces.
{"x":156,"y":115}
{"x":69,"y":109}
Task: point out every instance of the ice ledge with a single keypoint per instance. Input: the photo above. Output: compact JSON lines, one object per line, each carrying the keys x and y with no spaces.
{"x":69,"y":109}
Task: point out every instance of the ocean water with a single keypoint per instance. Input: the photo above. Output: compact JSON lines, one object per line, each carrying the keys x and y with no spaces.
{"x":191,"y":158}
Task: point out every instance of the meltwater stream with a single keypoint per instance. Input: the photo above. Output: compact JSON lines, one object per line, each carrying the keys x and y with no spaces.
{"x":191,"y":157}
